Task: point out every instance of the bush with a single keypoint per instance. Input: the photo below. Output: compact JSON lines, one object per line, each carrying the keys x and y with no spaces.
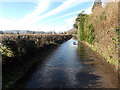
{"x":85,"y":30}
{"x":16,"y":49}
{"x":90,"y":36}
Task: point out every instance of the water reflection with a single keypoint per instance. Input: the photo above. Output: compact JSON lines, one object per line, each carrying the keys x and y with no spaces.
{"x":88,"y":78}
{"x":84,"y":55}
{"x":68,"y":66}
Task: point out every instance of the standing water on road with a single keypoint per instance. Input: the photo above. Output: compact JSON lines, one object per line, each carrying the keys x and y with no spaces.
{"x":68,"y":66}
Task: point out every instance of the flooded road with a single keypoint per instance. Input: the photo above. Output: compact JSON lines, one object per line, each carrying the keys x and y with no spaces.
{"x":70,"y":65}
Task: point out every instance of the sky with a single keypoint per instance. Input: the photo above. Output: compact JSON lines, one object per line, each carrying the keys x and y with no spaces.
{"x":41,"y":15}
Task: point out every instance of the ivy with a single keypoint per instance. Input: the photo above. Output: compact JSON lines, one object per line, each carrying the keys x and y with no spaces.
{"x":85,"y":29}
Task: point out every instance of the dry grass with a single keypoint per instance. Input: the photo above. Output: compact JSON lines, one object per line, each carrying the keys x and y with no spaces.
{"x":105,"y":21}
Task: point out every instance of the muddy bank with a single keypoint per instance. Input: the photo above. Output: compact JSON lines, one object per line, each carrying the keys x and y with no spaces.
{"x":110,"y":76}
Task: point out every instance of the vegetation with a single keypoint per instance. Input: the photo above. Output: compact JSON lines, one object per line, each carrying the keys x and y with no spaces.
{"x":99,"y":31}
{"x":85,"y":30}
{"x":75,"y":25}
{"x":16,"y":48}
{"x":90,"y":36}
{"x":103,"y":16}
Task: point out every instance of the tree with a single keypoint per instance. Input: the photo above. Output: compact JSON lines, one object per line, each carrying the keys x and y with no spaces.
{"x":75,"y":25}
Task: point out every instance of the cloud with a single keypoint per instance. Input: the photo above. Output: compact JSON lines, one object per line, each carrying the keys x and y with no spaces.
{"x":13,"y":25}
{"x":41,"y":8}
{"x":77,"y":12}
{"x":28,"y":22}
{"x":66,"y":5}
{"x":73,"y":13}
{"x":89,"y":10}
{"x":70,"y":22}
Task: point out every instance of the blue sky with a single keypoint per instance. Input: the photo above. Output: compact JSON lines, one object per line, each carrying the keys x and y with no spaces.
{"x":41,"y":15}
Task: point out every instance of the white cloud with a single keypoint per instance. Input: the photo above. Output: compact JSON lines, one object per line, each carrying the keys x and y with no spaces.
{"x":25,"y":23}
{"x":89,"y":10}
{"x":41,"y":8}
{"x":28,"y":22}
{"x":13,"y":25}
{"x":70,"y":21}
{"x":77,"y":12}
{"x":66,"y":5}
